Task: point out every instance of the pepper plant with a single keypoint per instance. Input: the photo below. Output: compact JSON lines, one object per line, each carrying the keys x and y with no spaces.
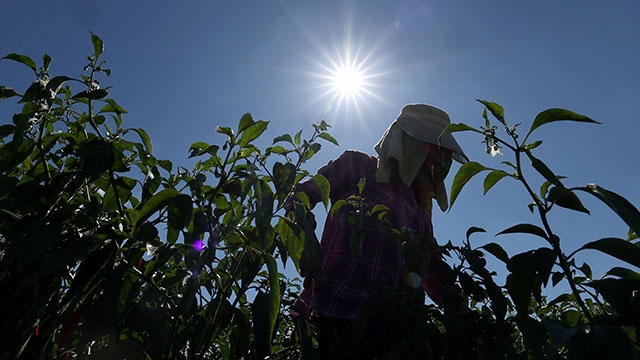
{"x":596,"y":318}
{"x":109,"y":252}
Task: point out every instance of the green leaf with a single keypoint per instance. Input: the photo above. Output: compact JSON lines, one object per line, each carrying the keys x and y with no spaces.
{"x":621,"y":206}
{"x":328,"y":137}
{"x":618,"y":248}
{"x":245,"y":121}
{"x":297,"y":137}
{"x":273,"y":300}
{"x":566,"y":199}
{"x":46,"y":60}
{"x":631,"y":234}
{"x":304,"y":199}
{"x":98,"y":45}
{"x":325,"y":189}
{"x":23,"y":59}
{"x":465,"y":173}
{"x":492,"y":178}
{"x":556,"y":277}
{"x":551,"y":115}
{"x":6,"y":130}
{"x":624,"y":273}
{"x":155,"y":203}
{"x":7,"y":92}
{"x":337,"y":205}
{"x":34,"y":92}
{"x":533,"y":145}
{"x":276,"y":150}
{"x":97,"y":156}
{"x":14,"y":153}
{"x":261,"y":324}
{"x":94,"y":94}
{"x":451,"y":128}
{"x":361,"y":184}
{"x":525,"y":229}
{"x":146,"y":140}
{"x":252,"y":132}
{"x":497,"y":251}
{"x":113,"y":107}
{"x":224,"y":130}
{"x":473,"y":230}
{"x":544,"y":170}
{"x":283,"y":177}
{"x":379,"y":207}
{"x":496,"y":110}
{"x":180,"y":210}
{"x":292,"y":238}
{"x":55,"y":83}
{"x":285,"y":137}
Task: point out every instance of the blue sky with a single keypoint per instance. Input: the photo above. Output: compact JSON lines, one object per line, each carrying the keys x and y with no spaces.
{"x":182,"y":68}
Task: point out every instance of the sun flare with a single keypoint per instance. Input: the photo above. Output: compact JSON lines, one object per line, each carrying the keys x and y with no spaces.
{"x":347,"y":80}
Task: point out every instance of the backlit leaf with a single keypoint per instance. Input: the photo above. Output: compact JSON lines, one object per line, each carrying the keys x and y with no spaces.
{"x":496,"y":110}
{"x":6,"y":92}
{"x":245,"y":121}
{"x":621,"y":206}
{"x":155,"y":203}
{"x":146,"y":140}
{"x":98,"y":45}
{"x":544,"y":170}
{"x":497,"y":251}
{"x":297,"y":137}
{"x":551,"y":115}
{"x":492,"y":178}
{"x":618,"y":248}
{"x":455,"y":128}
{"x":94,"y":94}
{"x":566,"y":199}
{"x":465,"y":173}
{"x":525,"y":229}
{"x":285,"y":137}
{"x":328,"y":137}
{"x":113,"y":107}
{"x":22,"y":59}
{"x":473,"y":230}
{"x":323,"y":185}
{"x":252,"y":132}
{"x":337,"y":205}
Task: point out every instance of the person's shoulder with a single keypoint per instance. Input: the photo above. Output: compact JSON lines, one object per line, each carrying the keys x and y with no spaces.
{"x":354,"y":155}
{"x":356,"y":161}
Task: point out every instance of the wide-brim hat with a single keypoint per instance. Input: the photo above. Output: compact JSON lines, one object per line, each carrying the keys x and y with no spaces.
{"x":426,"y":123}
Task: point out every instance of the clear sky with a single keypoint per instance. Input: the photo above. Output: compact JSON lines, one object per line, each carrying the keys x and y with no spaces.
{"x":181,"y":68}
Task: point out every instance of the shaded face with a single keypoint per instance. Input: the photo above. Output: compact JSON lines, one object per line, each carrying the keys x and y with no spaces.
{"x":435,"y":167}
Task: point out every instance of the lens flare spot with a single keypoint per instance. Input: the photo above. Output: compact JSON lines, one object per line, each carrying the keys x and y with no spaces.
{"x":198,"y":245}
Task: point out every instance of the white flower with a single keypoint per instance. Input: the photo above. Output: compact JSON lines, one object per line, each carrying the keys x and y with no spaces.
{"x":151,"y":249}
{"x":495,"y":149}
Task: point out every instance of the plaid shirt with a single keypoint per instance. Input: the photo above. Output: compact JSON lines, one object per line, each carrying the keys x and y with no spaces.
{"x":344,"y":286}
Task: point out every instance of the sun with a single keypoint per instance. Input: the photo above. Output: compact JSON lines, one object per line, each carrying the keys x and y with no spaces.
{"x":344,"y":74}
{"x":347,"y":80}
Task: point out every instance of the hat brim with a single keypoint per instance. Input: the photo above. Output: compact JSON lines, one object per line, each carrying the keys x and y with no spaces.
{"x":430,"y":133}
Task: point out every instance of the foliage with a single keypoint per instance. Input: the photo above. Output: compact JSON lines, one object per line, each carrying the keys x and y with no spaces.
{"x":111,"y":252}
{"x":597,"y":318}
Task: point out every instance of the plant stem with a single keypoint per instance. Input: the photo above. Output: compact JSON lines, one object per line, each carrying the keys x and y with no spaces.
{"x":552,"y":239}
